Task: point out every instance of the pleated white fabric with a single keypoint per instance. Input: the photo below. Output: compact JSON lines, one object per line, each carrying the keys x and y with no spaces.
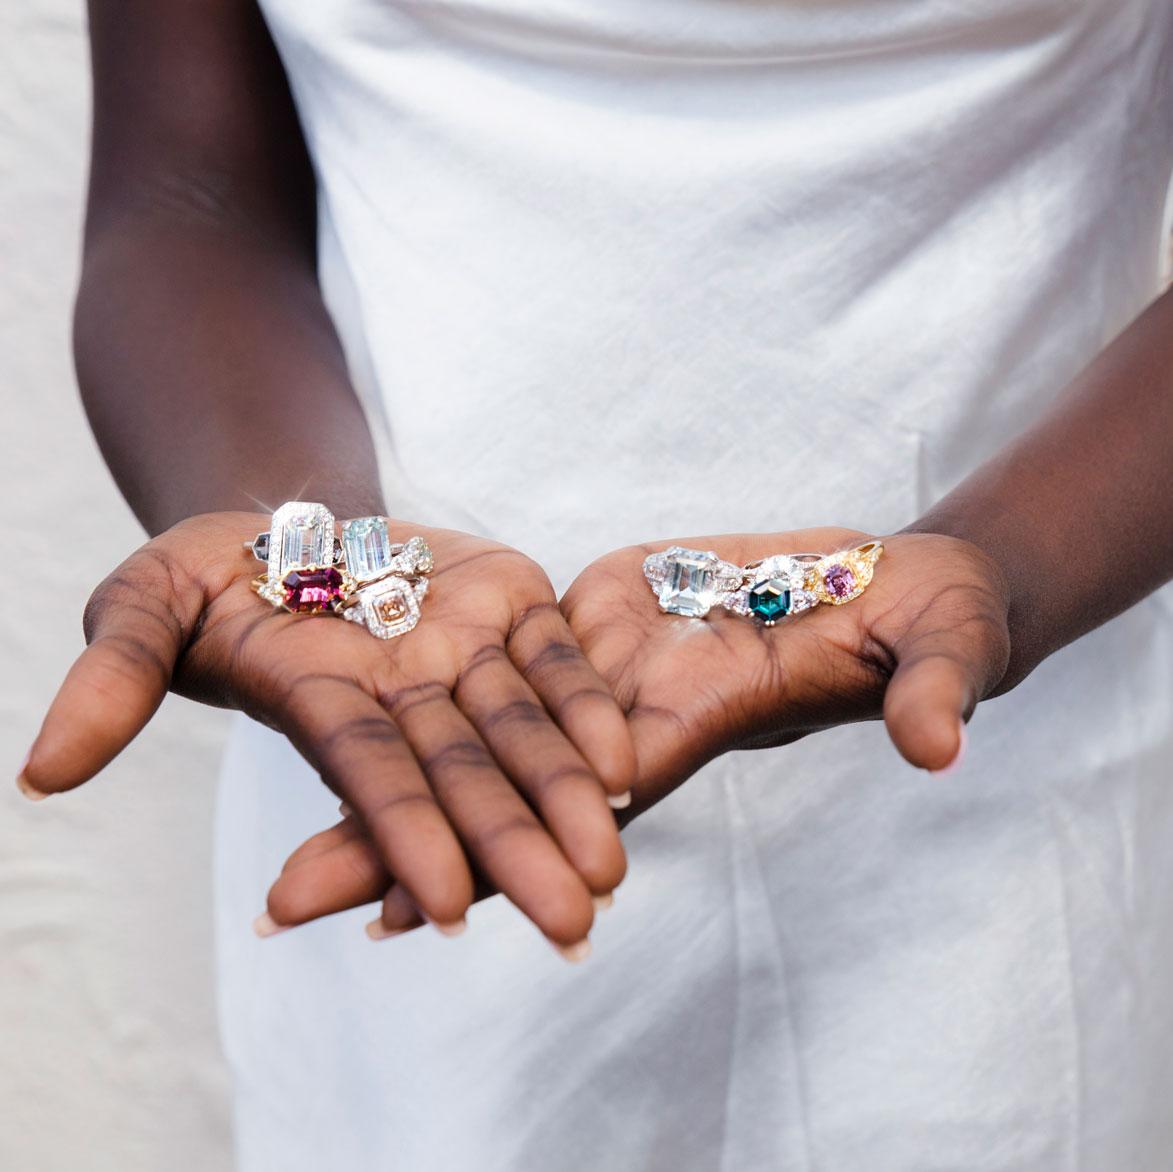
{"x":612,"y":272}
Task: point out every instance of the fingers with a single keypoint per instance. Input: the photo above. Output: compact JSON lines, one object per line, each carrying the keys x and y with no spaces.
{"x":137,"y":622}
{"x":512,"y":850}
{"x":544,"y":766}
{"x":545,"y":652}
{"x":399,"y":915}
{"x":939,"y":678}
{"x":340,"y":868}
{"x":357,"y":748}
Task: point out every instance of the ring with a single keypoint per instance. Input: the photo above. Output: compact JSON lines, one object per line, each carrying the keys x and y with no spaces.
{"x":691,"y":582}
{"x":362,"y":576}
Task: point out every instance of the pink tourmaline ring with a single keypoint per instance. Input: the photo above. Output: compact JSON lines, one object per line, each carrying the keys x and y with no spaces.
{"x":308,"y":589}
{"x":362,"y":576}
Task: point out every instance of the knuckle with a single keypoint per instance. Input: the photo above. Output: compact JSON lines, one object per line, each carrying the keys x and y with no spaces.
{"x":573,"y":774}
{"x":458,"y":756}
{"x":520,"y":712}
{"x":131,"y":658}
{"x":404,"y":700}
{"x":364,"y":871}
{"x":588,"y":696}
{"x":384,"y":812}
{"x":553,"y":654}
{"x":507,"y":835}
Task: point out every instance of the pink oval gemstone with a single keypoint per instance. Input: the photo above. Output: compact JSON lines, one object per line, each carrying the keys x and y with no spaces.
{"x":309,"y":591}
{"x":839,"y":580}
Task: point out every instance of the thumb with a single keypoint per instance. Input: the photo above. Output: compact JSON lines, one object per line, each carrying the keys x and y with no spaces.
{"x":137,"y":623}
{"x":940,"y":676}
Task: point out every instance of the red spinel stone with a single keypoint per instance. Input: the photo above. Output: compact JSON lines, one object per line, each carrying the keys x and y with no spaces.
{"x":839,"y":580}
{"x":309,"y":591}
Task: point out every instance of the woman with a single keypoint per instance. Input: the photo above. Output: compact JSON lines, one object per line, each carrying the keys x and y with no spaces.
{"x":601,"y":273}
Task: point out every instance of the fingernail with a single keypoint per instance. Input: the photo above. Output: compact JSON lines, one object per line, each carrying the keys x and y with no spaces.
{"x":264,"y":926}
{"x":955,"y":764}
{"x":575,"y":953}
{"x":377,"y":930}
{"x":619,"y":801}
{"x":26,"y":787}
{"x":603,"y":902}
{"x":451,"y":929}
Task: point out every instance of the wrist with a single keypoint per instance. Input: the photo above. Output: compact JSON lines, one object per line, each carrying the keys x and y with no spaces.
{"x":1024,"y":573}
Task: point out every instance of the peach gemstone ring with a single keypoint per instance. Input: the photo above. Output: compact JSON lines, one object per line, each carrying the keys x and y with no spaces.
{"x":362,"y":576}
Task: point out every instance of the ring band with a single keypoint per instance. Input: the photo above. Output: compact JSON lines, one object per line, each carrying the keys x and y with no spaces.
{"x":691,"y":582}
{"x":362,"y":575}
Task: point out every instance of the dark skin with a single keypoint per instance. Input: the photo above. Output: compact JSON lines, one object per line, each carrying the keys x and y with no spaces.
{"x":485,"y":748}
{"x":966,"y":601}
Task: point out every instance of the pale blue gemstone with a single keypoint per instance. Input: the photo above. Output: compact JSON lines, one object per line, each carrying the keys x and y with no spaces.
{"x":367,"y":546}
{"x":690,"y":586}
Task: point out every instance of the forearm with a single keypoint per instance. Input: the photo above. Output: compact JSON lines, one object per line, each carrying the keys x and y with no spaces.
{"x":212,"y":376}
{"x":207,"y":362}
{"x":1078,"y":510}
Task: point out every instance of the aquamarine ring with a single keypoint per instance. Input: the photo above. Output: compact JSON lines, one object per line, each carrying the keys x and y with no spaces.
{"x":363,"y":576}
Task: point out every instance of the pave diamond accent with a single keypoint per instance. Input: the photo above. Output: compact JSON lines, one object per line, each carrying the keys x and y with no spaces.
{"x":302,"y":534}
{"x":389,"y":607}
{"x":737,"y":602}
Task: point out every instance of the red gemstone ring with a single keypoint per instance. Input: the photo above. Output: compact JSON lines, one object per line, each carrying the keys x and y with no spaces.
{"x":308,"y":589}
{"x":364,"y":577}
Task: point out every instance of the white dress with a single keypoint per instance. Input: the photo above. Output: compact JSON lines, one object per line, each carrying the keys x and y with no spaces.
{"x":621,"y":270}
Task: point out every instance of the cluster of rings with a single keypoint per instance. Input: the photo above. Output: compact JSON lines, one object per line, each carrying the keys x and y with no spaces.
{"x":361,"y":576}
{"x":692,"y":581}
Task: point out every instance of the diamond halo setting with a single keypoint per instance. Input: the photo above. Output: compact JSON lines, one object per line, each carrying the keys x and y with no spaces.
{"x":690,"y":582}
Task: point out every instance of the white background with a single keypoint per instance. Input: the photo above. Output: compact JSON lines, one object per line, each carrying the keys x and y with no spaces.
{"x":108,"y":1051}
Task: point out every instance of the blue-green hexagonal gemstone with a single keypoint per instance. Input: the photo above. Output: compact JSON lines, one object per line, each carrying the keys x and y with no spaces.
{"x":770,"y":600}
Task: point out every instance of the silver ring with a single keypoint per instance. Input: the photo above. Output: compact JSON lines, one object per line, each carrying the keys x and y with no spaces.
{"x":691,"y":582}
{"x":362,"y":576}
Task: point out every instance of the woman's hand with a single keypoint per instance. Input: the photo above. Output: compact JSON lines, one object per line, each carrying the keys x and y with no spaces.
{"x":921,"y":646}
{"x":484,"y":730}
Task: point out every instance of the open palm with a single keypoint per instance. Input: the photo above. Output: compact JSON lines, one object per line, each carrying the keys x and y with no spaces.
{"x":478,"y":749}
{"x":921,"y":646}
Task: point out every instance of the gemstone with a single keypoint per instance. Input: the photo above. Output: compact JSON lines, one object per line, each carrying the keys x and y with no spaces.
{"x":839,"y":580}
{"x":302,"y":534}
{"x":390,"y":607}
{"x":309,"y":591}
{"x":368,"y":547}
{"x":770,"y":600}
{"x":737,"y":602}
{"x":419,"y":555}
{"x":656,"y":568}
{"x":690,"y":584}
